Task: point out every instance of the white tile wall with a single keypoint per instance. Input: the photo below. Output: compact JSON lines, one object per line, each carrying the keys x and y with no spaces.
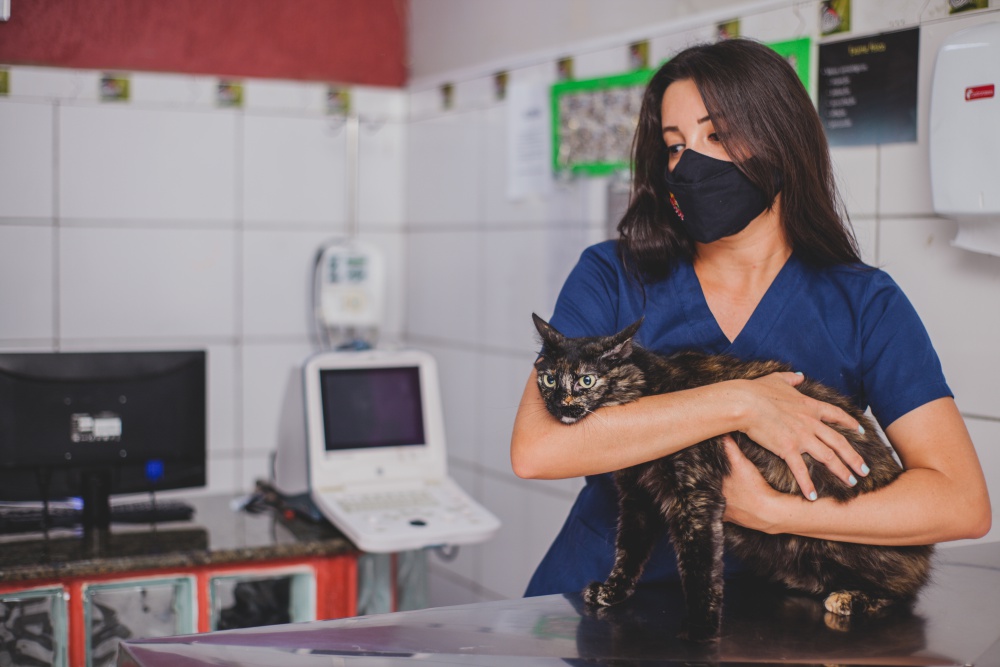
{"x":447,"y":267}
{"x":175,"y":90}
{"x":26,"y":283}
{"x":515,"y":273}
{"x":295,"y":170}
{"x":121,"y":283}
{"x":605,"y":62}
{"x":128,"y":163}
{"x":49,"y":83}
{"x":499,"y":398}
{"x":856,"y":171}
{"x":459,"y":401}
{"x":382,"y":172}
{"x":277,"y":298}
{"x":26,"y":179}
{"x":986,"y":436}
{"x":442,"y":176}
{"x":270,"y":374}
{"x":778,"y":25}
{"x":956,"y":293}
{"x":884,"y":16}
{"x":497,"y":207}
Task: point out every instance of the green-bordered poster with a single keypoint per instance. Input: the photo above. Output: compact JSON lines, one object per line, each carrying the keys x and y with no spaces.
{"x":593,"y":121}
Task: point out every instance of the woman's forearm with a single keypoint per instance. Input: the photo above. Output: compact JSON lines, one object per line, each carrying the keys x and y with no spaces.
{"x":941,"y":496}
{"x":769,"y":409}
{"x":920,"y":507}
{"x":618,"y":436}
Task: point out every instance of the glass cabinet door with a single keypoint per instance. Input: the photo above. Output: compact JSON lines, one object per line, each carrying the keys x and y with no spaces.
{"x":140,"y":608}
{"x":253,"y":599}
{"x":33,"y":628}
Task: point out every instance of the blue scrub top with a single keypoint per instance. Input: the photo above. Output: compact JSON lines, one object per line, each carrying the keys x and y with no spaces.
{"x":849,"y":327}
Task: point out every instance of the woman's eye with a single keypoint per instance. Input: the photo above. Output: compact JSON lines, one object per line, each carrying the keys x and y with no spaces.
{"x":548,"y":380}
{"x":586,"y":381}
{"x":714,"y":137}
{"x":675,"y":149}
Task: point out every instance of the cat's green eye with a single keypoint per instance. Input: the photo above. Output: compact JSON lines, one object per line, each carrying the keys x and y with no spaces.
{"x":548,"y":380}
{"x":587,"y":381}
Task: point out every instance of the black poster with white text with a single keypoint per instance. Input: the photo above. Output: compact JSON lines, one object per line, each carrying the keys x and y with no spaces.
{"x":868,"y":89}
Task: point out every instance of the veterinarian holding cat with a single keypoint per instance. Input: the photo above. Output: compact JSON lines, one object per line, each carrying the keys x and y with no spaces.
{"x":735,"y":241}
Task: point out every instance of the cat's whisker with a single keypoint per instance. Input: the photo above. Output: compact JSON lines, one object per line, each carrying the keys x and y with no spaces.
{"x":598,"y":416}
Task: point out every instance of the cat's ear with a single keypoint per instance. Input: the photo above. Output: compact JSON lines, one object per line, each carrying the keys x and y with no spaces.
{"x":549,"y":335}
{"x":620,"y":346}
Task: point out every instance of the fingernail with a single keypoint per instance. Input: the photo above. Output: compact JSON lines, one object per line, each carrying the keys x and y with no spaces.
{"x":861,"y":429}
{"x":865,"y":469}
{"x":813,"y":496}
{"x":798,"y":372}
{"x":852,"y":480}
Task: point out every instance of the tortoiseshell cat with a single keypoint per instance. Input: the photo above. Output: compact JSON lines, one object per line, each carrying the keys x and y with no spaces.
{"x":682,"y":492}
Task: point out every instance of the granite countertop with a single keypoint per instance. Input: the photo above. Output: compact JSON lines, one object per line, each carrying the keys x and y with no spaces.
{"x":216,"y":535}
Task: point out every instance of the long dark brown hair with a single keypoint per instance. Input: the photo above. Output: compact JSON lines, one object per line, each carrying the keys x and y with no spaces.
{"x":768,"y":125}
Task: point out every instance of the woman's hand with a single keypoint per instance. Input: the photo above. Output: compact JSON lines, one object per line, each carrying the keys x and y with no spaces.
{"x":791,"y":425}
{"x":748,"y":495}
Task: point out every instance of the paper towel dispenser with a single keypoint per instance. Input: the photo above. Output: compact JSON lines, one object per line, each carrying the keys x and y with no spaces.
{"x":965,"y":135}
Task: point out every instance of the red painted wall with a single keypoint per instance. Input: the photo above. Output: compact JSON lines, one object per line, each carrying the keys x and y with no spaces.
{"x":336,"y":41}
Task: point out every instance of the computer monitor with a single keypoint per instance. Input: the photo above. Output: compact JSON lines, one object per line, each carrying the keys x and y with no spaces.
{"x":89,"y":425}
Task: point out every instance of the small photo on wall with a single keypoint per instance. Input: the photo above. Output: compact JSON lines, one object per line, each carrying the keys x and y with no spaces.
{"x":229,"y":94}
{"x":638,"y":55}
{"x":564,"y":69}
{"x":114,"y":88}
{"x":447,"y":96}
{"x":338,"y":101}
{"x":957,"y":6}
{"x":500,"y":86}
{"x":727,"y":29}
{"x":834,"y":17}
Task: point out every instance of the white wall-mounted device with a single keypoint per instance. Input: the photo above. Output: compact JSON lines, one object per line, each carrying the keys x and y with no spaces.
{"x":965,"y":135}
{"x":350,"y":290}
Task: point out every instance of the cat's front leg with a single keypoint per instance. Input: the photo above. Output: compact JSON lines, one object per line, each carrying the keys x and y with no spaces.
{"x":639,"y":527}
{"x":697,"y":534}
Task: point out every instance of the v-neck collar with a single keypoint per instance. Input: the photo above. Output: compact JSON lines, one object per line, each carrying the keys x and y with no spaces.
{"x":706,"y":328}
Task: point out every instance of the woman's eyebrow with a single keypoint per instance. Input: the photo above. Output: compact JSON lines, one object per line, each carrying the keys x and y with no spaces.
{"x":674,"y":128}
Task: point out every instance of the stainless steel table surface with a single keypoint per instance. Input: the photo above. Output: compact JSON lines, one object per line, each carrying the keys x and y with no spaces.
{"x":956,"y":621}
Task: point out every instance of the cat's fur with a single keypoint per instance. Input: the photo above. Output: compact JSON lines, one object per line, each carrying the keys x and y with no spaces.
{"x":682,"y":492}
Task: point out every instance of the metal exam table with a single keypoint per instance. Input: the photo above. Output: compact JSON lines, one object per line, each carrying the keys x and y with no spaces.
{"x":956,"y":621}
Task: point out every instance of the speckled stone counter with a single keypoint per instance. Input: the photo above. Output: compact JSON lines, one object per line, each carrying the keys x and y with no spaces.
{"x":216,"y":535}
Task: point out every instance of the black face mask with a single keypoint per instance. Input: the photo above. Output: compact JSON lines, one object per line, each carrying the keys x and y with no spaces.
{"x":712,"y":198}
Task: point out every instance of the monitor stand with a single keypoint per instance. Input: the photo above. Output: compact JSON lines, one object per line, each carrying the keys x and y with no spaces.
{"x":96,"y":491}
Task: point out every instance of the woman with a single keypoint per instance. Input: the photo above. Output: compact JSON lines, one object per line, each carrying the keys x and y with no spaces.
{"x":734,"y":242}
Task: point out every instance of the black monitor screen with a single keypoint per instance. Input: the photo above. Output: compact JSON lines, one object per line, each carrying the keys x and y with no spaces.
{"x":137,"y":420}
{"x":372,"y":407}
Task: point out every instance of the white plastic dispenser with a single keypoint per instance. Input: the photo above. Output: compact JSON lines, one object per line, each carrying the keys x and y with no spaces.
{"x":965,"y":136}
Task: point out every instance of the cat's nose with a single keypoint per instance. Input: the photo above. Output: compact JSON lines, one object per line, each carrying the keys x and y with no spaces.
{"x":567,"y":400}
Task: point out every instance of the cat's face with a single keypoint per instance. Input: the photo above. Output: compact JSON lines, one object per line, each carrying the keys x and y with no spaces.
{"x":578,"y":375}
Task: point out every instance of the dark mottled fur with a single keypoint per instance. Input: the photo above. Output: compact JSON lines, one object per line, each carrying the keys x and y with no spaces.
{"x":682,"y":493}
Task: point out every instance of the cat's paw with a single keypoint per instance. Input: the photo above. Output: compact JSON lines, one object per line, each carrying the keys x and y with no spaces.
{"x":602,"y":595}
{"x":839,"y":603}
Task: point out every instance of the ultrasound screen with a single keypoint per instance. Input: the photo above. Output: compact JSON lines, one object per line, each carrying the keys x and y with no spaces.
{"x":372,"y":407}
